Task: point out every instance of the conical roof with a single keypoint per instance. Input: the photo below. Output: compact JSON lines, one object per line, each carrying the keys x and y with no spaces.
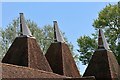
{"x":60,"y":57}
{"x":103,"y":64}
{"x":25,"y":51}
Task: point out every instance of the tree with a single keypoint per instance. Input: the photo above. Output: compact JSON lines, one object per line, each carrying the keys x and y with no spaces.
{"x":0,"y":46}
{"x":109,"y":20}
{"x":44,"y":36}
{"x":87,"y":46}
{"x":0,"y":51}
{"x":48,"y":38}
{"x":118,"y":49}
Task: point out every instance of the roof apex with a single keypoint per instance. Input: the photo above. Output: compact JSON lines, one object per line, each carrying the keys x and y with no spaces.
{"x":24,"y":28}
{"x":58,"y":37}
{"x":102,"y":42}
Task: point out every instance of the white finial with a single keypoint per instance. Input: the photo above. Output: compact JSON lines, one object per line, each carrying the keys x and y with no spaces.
{"x":25,"y":30}
{"x":104,"y":41}
{"x":57,"y":34}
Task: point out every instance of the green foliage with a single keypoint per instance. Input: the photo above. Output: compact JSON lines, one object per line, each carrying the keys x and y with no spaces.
{"x":87,"y":46}
{"x":44,"y":35}
{"x":109,"y":20}
{"x":8,"y":35}
{"x":118,"y":51}
{"x":48,"y":37}
{"x":1,"y":51}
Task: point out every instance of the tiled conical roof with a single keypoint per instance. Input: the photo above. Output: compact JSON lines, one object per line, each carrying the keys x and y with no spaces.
{"x":103,"y":64}
{"x":60,"y":57}
{"x":25,"y":51}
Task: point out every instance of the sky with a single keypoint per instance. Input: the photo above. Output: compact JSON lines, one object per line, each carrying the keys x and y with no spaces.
{"x":74,"y":18}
